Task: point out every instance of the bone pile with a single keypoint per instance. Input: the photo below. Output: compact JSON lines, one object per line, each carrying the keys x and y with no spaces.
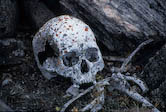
{"x":67,"y":46}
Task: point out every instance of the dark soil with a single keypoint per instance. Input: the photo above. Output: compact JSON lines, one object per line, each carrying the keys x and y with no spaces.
{"x":24,"y":88}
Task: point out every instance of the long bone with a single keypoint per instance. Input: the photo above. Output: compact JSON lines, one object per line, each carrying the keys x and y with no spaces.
{"x":99,"y":85}
{"x":139,"y":82}
{"x":129,"y":58}
{"x":126,"y":60}
{"x":118,"y":82}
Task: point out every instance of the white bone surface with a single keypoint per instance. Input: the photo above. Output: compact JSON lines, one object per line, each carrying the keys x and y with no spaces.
{"x":67,"y":34}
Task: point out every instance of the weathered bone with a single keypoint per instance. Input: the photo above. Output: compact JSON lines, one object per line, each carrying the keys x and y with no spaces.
{"x":125,"y":63}
{"x":97,"y":103}
{"x":118,"y":82}
{"x":114,"y":58}
{"x":66,"y":46}
{"x":139,"y":82}
{"x":98,"y":85}
{"x":70,"y":50}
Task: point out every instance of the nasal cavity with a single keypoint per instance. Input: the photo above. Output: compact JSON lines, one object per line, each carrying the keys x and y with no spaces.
{"x":84,"y":67}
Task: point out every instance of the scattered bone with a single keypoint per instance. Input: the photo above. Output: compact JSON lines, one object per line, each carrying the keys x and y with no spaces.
{"x":125,"y":63}
{"x":114,"y":58}
{"x":139,"y":82}
{"x":99,"y":84}
{"x":75,"y":98}
{"x":119,"y":82}
{"x":66,"y":46}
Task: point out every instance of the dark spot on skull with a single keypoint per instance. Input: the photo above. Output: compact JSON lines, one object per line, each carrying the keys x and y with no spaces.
{"x":81,"y":45}
{"x":63,"y":45}
{"x":63,"y":48}
{"x":86,"y":28}
{"x":70,"y":59}
{"x":64,"y":35}
{"x":92,"y":54}
{"x":65,"y":51}
{"x":84,"y":67}
{"x":48,"y":52}
{"x":70,"y":46}
{"x":60,"y":19}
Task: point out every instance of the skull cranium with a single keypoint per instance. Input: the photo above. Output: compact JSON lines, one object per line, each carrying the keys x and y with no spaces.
{"x":67,"y":46}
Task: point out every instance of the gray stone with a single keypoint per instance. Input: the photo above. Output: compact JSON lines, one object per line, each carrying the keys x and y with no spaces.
{"x":37,"y":12}
{"x":11,"y":51}
{"x":8,"y":17}
{"x":121,"y":24}
{"x":154,"y":75}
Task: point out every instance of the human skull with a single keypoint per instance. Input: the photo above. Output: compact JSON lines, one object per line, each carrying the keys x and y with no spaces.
{"x":67,"y":46}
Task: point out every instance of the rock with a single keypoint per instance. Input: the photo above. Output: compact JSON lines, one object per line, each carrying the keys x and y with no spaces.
{"x":54,"y":6}
{"x":37,"y":12}
{"x":154,"y":76}
{"x":4,"y":107}
{"x":8,"y":17}
{"x":121,"y":24}
{"x":11,"y":51}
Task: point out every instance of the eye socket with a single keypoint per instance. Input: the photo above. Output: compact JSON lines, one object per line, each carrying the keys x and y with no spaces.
{"x":70,"y":59}
{"x":48,"y":52}
{"x":92,"y":54}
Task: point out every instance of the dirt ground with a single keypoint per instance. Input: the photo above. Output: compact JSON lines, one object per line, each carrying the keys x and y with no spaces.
{"x":24,"y":88}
